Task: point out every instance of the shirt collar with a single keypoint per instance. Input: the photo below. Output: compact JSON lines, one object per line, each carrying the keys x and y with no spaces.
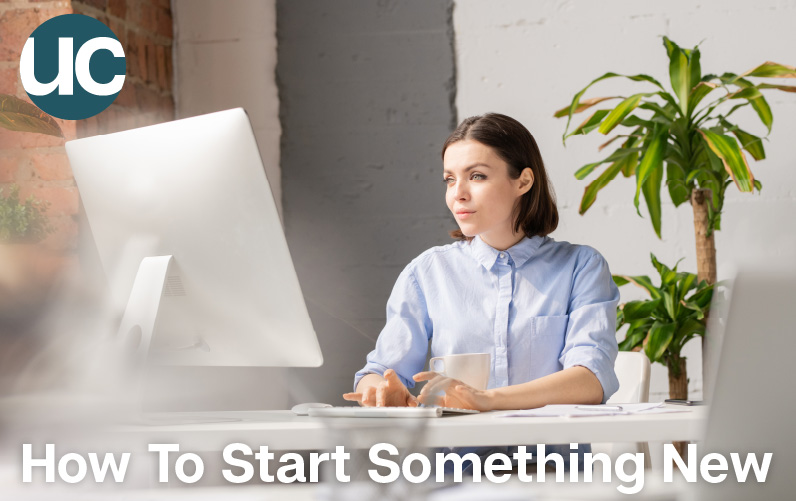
{"x":519,"y":252}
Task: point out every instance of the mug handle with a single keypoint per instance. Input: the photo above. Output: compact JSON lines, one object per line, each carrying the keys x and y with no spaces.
{"x":433,"y":362}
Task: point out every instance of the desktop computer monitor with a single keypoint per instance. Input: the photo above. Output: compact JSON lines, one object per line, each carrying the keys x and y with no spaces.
{"x":191,"y":243}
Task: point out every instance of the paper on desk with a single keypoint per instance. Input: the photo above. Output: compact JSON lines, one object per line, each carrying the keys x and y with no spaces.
{"x":591,"y":410}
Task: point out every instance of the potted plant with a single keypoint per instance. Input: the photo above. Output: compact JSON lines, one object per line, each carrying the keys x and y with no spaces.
{"x":685,"y":139}
{"x":675,"y":313}
{"x":25,"y":267}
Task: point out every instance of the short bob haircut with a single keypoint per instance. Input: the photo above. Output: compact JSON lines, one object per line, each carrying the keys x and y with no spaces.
{"x":536,"y":213}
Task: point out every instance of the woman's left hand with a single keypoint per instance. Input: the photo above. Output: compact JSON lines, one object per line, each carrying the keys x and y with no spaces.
{"x":448,"y":392}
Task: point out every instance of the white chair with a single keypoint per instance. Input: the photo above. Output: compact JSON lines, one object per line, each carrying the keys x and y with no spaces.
{"x":633,"y":372}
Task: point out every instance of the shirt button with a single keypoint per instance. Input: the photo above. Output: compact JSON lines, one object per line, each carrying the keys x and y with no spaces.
{"x":502,"y":255}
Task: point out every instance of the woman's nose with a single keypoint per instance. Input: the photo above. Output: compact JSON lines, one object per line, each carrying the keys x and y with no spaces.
{"x":461,"y":192}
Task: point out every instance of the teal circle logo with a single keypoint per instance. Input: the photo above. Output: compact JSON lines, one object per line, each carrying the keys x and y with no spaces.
{"x":72,"y":67}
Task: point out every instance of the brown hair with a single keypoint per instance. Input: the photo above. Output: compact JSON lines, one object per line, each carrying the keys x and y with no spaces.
{"x":537,"y":213}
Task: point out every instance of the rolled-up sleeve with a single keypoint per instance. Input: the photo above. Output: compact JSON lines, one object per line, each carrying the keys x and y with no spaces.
{"x":591,"y":329}
{"x":403,"y":343}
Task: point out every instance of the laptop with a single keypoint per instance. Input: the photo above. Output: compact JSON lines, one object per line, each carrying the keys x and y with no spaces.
{"x":753,"y":405}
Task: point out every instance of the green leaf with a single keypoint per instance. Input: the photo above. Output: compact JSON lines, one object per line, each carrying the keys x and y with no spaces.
{"x":784,"y":88}
{"x":688,"y":329}
{"x":694,"y":68}
{"x":619,"y":113}
{"x":686,"y":282}
{"x":771,"y":70}
{"x":635,"y":310}
{"x":667,"y":275}
{"x":698,"y":93}
{"x":576,"y":99}
{"x":618,"y":154}
{"x":635,"y":335}
{"x":642,"y":281}
{"x":675,"y":182}
{"x":590,"y":193}
{"x":749,"y":142}
{"x":659,"y":110}
{"x":619,"y":280}
{"x":679,"y":73}
{"x":726,"y":148}
{"x":660,"y":336}
{"x":21,"y":116}
{"x":652,"y":195}
{"x":652,"y":160}
{"x":583,"y":105}
{"x":590,"y":123}
{"x":759,"y":103}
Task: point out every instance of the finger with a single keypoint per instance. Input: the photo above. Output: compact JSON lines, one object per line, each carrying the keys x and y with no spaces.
{"x":411,"y":401}
{"x":392,"y":377}
{"x":353,"y":397}
{"x":437,"y":386}
{"x":425,"y":376}
{"x":430,"y":399}
{"x":369,"y":397}
{"x":381,"y":395}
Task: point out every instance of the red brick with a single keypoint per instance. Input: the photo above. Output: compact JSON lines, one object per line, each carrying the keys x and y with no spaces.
{"x":8,"y":169}
{"x":141,"y":44}
{"x":97,"y":4}
{"x":8,"y":81}
{"x":117,"y":8}
{"x":165,"y":24}
{"x":13,"y":139}
{"x":169,"y":74}
{"x":146,"y":98}
{"x":149,"y":17}
{"x":120,"y":30}
{"x":160,"y":59}
{"x":65,"y":234}
{"x":151,"y":64}
{"x":47,"y":14}
{"x":52,"y":166}
{"x":63,"y":200}
{"x":15,"y":28}
{"x":126,"y":97}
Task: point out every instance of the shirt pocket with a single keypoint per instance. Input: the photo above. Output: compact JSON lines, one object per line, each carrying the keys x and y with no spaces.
{"x":547,"y":341}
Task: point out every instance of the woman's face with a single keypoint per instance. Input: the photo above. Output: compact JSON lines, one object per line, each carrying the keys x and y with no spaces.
{"x":480,"y":193}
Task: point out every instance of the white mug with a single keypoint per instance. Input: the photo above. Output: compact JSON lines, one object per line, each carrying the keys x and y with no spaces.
{"x":470,"y":368}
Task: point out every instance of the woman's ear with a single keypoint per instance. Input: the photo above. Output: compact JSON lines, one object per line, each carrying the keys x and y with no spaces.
{"x":525,"y":181}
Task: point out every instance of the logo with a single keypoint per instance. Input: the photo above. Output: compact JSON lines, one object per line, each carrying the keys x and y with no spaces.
{"x":72,"y":67}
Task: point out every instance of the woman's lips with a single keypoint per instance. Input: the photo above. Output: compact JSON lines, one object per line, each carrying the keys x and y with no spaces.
{"x":464,"y":214}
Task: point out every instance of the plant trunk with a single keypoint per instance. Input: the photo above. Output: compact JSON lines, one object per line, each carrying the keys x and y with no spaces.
{"x":678,"y":388}
{"x":706,"y":270}
{"x":705,"y":246}
{"x":678,"y":378}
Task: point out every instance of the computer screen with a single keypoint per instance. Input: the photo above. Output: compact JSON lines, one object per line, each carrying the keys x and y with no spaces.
{"x":196,"y":190}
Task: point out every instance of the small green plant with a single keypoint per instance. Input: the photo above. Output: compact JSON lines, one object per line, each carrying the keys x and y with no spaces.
{"x":663,"y":324}
{"x":22,"y":221}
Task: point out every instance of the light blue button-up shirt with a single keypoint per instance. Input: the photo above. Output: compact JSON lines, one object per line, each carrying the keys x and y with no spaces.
{"x":537,"y":308}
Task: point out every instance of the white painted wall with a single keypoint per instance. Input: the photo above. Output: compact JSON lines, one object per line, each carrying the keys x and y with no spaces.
{"x":528,"y":58}
{"x":225,"y":57}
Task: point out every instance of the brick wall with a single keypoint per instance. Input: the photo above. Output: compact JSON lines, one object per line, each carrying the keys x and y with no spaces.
{"x":38,"y":163}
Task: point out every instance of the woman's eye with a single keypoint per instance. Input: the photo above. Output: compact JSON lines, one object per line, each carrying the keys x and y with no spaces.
{"x":448,"y":180}
{"x":479,"y":177}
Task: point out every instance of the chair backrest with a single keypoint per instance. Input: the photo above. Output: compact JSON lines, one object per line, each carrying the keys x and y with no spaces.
{"x":633,"y":371}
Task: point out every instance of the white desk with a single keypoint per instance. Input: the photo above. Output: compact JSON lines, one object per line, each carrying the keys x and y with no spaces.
{"x":282,"y":430}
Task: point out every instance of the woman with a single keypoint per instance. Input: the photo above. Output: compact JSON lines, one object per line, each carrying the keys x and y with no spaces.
{"x":544,"y":310}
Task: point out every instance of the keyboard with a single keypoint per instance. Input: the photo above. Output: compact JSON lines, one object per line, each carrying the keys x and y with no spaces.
{"x":355,"y":411}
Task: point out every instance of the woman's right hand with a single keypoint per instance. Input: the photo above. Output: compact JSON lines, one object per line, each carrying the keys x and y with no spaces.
{"x":389,"y":392}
